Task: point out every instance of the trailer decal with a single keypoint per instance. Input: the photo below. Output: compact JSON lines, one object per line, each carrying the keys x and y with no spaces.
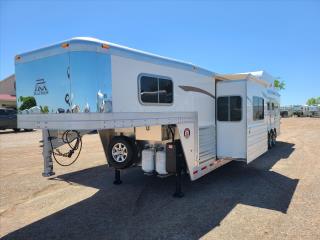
{"x":186,"y":133}
{"x":40,"y":87}
{"x":195,"y":89}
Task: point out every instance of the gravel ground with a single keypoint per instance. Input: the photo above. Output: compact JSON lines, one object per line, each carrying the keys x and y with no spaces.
{"x":275,"y":197}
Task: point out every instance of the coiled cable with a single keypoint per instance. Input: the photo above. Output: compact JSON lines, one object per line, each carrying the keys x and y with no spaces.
{"x":74,"y":144}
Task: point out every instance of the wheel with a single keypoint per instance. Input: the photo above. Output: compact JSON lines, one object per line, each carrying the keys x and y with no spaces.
{"x":273,"y":138}
{"x":16,"y":129}
{"x":121,"y":152}
{"x":269,"y":140}
{"x":28,"y":130}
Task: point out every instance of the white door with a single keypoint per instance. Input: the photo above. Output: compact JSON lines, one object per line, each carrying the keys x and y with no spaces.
{"x":231,"y":119}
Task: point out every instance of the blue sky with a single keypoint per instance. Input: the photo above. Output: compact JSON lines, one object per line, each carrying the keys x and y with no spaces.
{"x":281,"y":37}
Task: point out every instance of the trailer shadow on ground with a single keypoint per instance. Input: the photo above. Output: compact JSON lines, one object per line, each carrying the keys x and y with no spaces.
{"x":143,"y":207}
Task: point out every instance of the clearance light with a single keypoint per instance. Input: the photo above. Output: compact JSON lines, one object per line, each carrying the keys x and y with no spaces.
{"x":17,"y":57}
{"x":65,"y":45}
{"x":105,"y":46}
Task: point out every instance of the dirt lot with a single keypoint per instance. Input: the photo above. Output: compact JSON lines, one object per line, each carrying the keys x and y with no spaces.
{"x":276,"y":197}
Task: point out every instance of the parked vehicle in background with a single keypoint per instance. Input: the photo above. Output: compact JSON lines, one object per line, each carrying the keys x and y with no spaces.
{"x":309,"y":111}
{"x":8,"y":119}
{"x":286,"y":111}
{"x":298,"y":110}
{"x":314,"y":111}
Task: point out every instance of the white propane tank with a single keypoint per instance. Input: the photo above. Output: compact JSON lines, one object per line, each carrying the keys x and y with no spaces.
{"x":148,"y":160}
{"x":161,"y":163}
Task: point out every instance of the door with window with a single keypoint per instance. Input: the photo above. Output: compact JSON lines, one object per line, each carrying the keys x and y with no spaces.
{"x":231,"y":119}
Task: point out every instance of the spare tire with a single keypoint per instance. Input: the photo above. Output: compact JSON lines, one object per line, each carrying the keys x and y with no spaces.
{"x":121,"y":152}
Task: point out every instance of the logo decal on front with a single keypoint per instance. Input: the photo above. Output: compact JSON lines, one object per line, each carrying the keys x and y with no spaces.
{"x":40,"y":88}
{"x":186,"y":133}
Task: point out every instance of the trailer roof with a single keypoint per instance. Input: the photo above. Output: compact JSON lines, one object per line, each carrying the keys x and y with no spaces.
{"x":93,"y":44}
{"x":261,"y":77}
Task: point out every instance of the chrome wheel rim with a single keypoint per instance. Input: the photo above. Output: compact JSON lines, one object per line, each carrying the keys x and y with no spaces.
{"x":119,"y":152}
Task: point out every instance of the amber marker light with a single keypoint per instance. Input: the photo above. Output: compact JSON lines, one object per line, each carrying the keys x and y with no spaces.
{"x":105,"y":46}
{"x":65,"y":45}
{"x":17,"y":57}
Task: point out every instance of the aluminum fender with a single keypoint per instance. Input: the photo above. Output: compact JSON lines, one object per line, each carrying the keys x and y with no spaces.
{"x":189,"y":140}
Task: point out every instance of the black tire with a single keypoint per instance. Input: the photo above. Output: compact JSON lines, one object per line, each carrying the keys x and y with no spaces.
{"x":121,"y":152}
{"x":28,"y":130}
{"x":269,"y":140}
{"x":16,"y":129}
{"x":273,"y":138}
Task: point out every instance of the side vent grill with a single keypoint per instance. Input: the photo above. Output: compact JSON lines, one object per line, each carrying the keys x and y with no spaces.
{"x":207,"y":143}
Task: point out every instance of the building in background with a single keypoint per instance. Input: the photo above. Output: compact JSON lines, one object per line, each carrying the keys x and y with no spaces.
{"x":8,"y":92}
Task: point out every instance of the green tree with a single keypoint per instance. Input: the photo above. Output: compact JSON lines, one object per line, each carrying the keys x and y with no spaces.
{"x":44,"y":109}
{"x":313,"y":101}
{"x":280,"y":85}
{"x":27,"y":102}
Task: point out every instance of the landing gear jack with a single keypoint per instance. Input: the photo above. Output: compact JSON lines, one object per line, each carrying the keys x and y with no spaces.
{"x":117,"y":180}
{"x":47,"y":155}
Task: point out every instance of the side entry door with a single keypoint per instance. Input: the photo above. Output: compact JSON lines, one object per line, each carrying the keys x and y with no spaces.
{"x":231,"y":119}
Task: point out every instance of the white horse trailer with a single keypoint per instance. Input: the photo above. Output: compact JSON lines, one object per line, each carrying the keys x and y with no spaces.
{"x":314,"y":111}
{"x":162,"y":114}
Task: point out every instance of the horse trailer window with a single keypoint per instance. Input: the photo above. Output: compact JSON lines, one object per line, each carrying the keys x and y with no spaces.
{"x":149,"y":89}
{"x":155,"y":90}
{"x":223,"y":108}
{"x":258,"y":108}
{"x":235,"y":108}
{"x":165,"y":91}
{"x":229,"y":108}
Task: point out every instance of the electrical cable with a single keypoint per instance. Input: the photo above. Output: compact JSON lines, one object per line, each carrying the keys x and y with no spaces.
{"x":66,"y":140}
{"x":172,"y":132}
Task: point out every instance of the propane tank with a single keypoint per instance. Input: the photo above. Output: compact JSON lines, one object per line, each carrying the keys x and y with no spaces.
{"x":148,"y":160}
{"x":161,"y":162}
